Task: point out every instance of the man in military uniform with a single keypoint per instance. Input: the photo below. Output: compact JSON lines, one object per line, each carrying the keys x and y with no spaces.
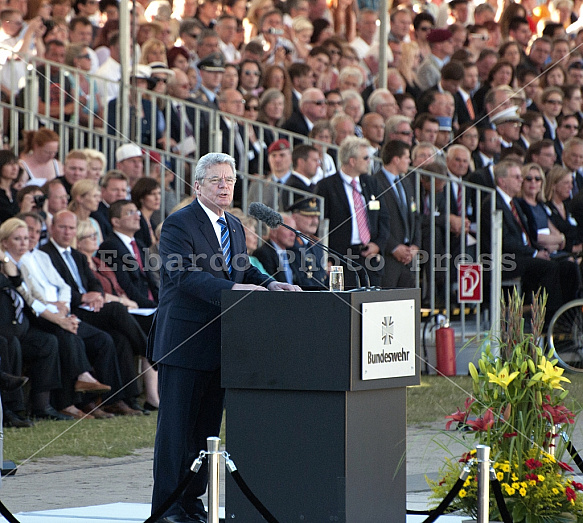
{"x":310,"y":260}
{"x":211,"y":72}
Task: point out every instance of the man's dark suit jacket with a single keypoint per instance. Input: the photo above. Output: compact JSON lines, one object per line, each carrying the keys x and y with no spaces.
{"x":101,"y":216}
{"x":177,"y":123}
{"x":90,"y":282}
{"x":287,"y":198}
{"x":405,"y":226}
{"x":132,"y":280}
{"x":558,"y":151}
{"x":191,"y":282}
{"x":461,"y":109}
{"x":267,"y":255}
{"x":296,"y":123}
{"x":337,"y":210}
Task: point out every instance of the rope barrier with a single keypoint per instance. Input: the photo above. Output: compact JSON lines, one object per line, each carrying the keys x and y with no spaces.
{"x":502,"y":508}
{"x":7,"y":514}
{"x":267,"y":516}
{"x":195,"y":467}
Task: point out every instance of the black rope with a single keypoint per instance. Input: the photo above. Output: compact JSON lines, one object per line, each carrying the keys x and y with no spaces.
{"x":172,"y":498}
{"x":503,"y":509}
{"x":575,"y":455}
{"x":440,"y":509}
{"x":267,"y":516}
{"x":7,"y":514}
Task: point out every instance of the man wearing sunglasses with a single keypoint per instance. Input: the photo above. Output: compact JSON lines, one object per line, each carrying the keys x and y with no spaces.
{"x":312,"y":107}
{"x":359,"y":220}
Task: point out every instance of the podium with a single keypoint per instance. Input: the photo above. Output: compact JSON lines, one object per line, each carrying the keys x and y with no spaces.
{"x":316,"y":402}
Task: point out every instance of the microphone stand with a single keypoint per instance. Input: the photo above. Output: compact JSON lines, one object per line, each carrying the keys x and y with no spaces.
{"x":348,"y":261}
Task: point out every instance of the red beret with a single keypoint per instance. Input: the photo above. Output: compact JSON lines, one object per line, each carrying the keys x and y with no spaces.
{"x":436,"y":36}
{"x":278,"y":145}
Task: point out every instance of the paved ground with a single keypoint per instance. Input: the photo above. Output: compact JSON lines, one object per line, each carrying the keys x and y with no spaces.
{"x":73,"y":481}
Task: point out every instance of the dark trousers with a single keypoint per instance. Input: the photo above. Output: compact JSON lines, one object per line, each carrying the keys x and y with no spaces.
{"x":397,"y":274}
{"x":39,"y":351}
{"x":191,"y":410}
{"x":73,"y":360}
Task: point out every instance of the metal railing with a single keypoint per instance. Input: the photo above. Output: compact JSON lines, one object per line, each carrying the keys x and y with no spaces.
{"x":82,"y":122}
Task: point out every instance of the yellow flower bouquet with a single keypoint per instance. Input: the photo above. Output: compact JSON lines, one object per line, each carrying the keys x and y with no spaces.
{"x":516,"y":407}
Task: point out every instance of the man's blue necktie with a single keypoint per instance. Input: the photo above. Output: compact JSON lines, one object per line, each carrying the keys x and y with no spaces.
{"x":74,"y":271}
{"x":226,"y":243}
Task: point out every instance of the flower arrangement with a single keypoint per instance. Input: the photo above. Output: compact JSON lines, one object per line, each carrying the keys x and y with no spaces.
{"x":517,"y":402}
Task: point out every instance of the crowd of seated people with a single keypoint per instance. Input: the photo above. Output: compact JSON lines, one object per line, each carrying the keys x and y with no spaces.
{"x":472,"y":94}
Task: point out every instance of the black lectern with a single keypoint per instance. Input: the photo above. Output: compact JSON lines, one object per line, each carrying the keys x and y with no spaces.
{"x":316,"y":402}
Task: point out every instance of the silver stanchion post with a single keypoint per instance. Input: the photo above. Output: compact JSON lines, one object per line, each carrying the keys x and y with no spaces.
{"x":483,"y":456}
{"x":213,"y":462}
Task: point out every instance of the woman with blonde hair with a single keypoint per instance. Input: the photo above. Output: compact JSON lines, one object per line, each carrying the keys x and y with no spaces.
{"x":532,"y":202}
{"x":257,"y":8}
{"x":96,"y":163}
{"x":85,"y":198}
{"x":408,"y":66}
{"x":558,"y":189}
{"x":153,"y":50}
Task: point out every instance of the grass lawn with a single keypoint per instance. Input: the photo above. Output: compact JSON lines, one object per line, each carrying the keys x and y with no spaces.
{"x":435,"y":398}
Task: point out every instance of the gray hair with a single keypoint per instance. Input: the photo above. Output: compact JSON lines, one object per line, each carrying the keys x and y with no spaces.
{"x":209,"y":160}
{"x":457,"y":147}
{"x":352,"y":94}
{"x":378,"y":96}
{"x":394,"y":121}
{"x":349,"y":71}
{"x":350,"y":148}
{"x":422,"y":146}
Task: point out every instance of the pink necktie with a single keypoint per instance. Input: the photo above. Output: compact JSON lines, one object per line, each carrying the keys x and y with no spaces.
{"x":361,"y":218}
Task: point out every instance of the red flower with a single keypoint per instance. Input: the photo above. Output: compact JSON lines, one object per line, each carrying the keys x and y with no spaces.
{"x":578,"y":486}
{"x":533,"y":464}
{"x":459,"y":416}
{"x":570,"y":493}
{"x":532,"y":476}
{"x":510,"y":434}
{"x":558,"y":415}
{"x":564,"y":466}
{"x":484,"y":422}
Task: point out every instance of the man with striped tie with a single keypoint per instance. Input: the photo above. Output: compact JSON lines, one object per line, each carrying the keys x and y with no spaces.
{"x":203,"y":252}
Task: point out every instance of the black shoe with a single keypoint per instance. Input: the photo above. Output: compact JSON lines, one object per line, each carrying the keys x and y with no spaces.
{"x":9,"y":383}
{"x":50,"y":413}
{"x":150,"y":407}
{"x":11,"y":419}
{"x":136,"y":406}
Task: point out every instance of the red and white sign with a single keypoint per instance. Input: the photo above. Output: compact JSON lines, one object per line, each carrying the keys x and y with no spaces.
{"x":469,"y":280}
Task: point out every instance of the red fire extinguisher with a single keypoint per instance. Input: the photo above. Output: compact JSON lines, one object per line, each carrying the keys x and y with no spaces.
{"x":445,"y":349}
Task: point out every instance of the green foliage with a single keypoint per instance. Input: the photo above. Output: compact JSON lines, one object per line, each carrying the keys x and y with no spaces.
{"x":516,"y":408}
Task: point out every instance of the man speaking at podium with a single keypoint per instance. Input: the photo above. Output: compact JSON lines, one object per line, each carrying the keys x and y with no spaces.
{"x":203,"y":253}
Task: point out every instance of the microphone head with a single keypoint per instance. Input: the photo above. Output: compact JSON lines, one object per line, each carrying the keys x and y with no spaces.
{"x":265,"y":214}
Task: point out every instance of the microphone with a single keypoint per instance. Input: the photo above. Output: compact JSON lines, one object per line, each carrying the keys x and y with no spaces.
{"x":273,"y":219}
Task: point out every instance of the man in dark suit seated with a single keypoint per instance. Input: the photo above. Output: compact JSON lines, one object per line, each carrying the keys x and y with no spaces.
{"x":276,"y":254}
{"x":532,"y":131}
{"x":399,"y":197}
{"x":125,"y":255}
{"x":114,"y":187}
{"x":88,"y":304}
{"x":521,"y":255}
{"x":359,"y":221}
{"x":197,"y":246}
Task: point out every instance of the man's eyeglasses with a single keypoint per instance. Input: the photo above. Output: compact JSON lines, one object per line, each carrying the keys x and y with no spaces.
{"x":215,"y":180}
{"x":571,"y":127}
{"x":133,"y":213}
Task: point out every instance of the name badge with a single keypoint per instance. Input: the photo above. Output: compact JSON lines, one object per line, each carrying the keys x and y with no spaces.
{"x":374,"y":204}
{"x":572,"y":221}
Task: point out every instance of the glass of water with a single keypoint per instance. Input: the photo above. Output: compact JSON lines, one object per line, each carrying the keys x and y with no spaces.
{"x":337,"y":278}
